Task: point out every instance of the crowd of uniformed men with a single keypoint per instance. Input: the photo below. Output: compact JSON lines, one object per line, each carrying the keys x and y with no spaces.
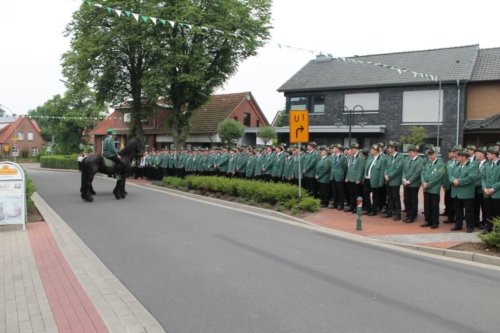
{"x":337,"y":175}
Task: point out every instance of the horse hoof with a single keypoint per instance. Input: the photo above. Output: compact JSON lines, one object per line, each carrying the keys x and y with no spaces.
{"x":93,"y":193}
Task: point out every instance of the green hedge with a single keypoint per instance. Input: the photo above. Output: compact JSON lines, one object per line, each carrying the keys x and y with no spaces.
{"x":59,"y":162}
{"x":279,"y":194}
{"x":492,"y":238}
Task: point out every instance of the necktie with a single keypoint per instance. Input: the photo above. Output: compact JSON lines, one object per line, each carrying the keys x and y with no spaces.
{"x":337,"y":158}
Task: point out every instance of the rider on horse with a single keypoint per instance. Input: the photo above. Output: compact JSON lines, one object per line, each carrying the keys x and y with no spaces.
{"x":109,"y":151}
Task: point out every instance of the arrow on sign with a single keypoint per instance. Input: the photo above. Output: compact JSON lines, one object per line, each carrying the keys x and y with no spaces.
{"x":301,"y":128}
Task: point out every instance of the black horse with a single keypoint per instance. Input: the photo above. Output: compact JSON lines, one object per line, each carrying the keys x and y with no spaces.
{"x":95,"y":163}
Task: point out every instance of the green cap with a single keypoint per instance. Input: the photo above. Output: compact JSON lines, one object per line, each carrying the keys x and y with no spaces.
{"x":110,"y":130}
{"x":431,"y":151}
{"x":492,"y":150}
{"x":355,"y":145}
{"x":471,"y":147}
{"x":412,"y":148}
{"x":375,"y":147}
{"x":457,"y":148}
{"x":394,"y":144}
{"x":464,"y":152}
{"x":364,"y":151}
{"x":481,"y":150}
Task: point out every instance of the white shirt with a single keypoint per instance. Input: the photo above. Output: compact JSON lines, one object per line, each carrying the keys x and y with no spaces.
{"x":371,"y":166}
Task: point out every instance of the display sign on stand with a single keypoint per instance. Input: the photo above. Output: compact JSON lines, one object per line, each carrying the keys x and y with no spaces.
{"x":12,"y":194}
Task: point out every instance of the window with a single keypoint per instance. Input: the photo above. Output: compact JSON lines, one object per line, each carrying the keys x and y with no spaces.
{"x":318,"y":104}
{"x":34,"y":151}
{"x":298,"y":103}
{"x":258,"y":123}
{"x":369,"y":101}
{"x":126,"y":117}
{"x":422,"y":106}
{"x":20,"y":135}
{"x":30,"y":136}
{"x":246,"y":119}
{"x":236,"y":118}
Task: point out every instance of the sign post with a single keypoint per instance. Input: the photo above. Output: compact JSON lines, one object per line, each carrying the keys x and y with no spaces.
{"x":299,"y":133}
{"x":12,"y":195}
{"x":15,"y":152}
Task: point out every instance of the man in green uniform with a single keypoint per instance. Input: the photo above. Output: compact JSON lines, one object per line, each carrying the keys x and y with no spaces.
{"x":267,"y":166}
{"x":223,"y":162}
{"x":279,"y":165}
{"x":463,"y":182}
{"x":109,"y":151}
{"x":337,"y":176}
{"x":448,"y":200}
{"x":241,"y":166}
{"x":411,"y":183}
{"x":490,"y":183}
{"x":259,"y":163}
{"x":312,"y":158}
{"x":354,"y":176}
{"x":323,"y":171}
{"x":373,"y":180}
{"x":250,"y":167}
{"x":479,"y":208}
{"x":288,"y":169}
{"x":432,"y":179}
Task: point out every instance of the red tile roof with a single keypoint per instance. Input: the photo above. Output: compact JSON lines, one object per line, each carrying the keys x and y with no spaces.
{"x":6,"y":134}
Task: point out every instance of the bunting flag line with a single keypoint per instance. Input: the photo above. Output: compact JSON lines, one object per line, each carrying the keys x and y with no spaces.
{"x":204,"y":29}
{"x":100,"y":118}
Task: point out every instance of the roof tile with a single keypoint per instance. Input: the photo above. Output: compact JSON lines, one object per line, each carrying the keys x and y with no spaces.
{"x":488,"y":65}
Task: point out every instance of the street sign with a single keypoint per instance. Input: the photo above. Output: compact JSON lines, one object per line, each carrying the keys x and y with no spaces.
{"x":299,"y":126}
{"x":15,"y":139}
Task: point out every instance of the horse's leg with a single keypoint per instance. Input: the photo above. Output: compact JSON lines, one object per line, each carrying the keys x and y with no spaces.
{"x":92,"y":190}
{"x":83,"y":187}
{"x":90,"y":179}
{"x":123,"y":192}
{"x":116,"y":190}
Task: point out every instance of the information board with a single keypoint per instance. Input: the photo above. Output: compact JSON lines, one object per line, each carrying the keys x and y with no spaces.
{"x":12,"y":194}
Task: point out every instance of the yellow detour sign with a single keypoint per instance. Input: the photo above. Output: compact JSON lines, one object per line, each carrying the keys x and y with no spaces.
{"x":6,"y":148}
{"x":299,"y":126}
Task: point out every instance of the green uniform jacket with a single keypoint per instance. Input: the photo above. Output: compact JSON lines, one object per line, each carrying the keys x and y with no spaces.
{"x":250,"y":167}
{"x":412,"y":171}
{"x":109,"y":148}
{"x":288,"y":169}
{"x":259,"y":164}
{"x":189,"y":163}
{"x":479,"y":187}
{"x":339,"y":168}
{"x":181,"y":161}
{"x":394,"y":169}
{"x":378,"y":171}
{"x":147,"y":160}
{"x":223,"y":162}
{"x":269,"y":162}
{"x":242,"y":163}
{"x":491,"y":179}
{"x":466,"y":176}
{"x":166,"y":159}
{"x":312,"y":159}
{"x":231,"y":167}
{"x":356,"y":168}
{"x":279,"y":165}
{"x":323,"y":170}
{"x":170,"y":161}
{"x":215,"y":161}
{"x":295,"y":170}
{"x":433,"y":174}
{"x":449,"y":170}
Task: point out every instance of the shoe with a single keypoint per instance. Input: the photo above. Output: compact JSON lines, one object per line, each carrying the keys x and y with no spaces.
{"x":397,"y":218}
{"x":331,"y":207}
{"x":481,"y":225}
{"x":435,"y":227}
{"x":347,"y":209}
{"x":426,"y":225}
{"x":383,"y":216}
{"x":372,"y":214}
{"x":443,"y":214}
{"x":383,"y":210}
{"x":354,"y":212}
{"x":455,"y":229}
{"x":365,"y":213}
{"x":485,"y":232}
{"x":469,"y":231}
{"x":448,"y":221}
{"x":409,"y":220}
{"x":340,"y":208}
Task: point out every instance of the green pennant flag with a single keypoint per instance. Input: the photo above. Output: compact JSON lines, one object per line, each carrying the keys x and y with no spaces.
{"x":163,"y":21}
{"x":109,"y":9}
{"x":88,"y":3}
{"x":128,"y":13}
{"x":181,"y":25}
{"x":145,"y":18}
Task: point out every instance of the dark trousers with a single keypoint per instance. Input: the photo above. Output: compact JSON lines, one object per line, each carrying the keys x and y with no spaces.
{"x":276,"y":179}
{"x":222,"y":173}
{"x":394,"y":200}
{"x":431,"y":208}
{"x":491,"y":211}
{"x":241,"y":175}
{"x":478,"y":208}
{"x":313,"y":187}
{"x":371,"y":205}
{"x":338,"y":193}
{"x":468,"y":206}
{"x":382,"y":199}
{"x":347,"y":192}
{"x":324,"y":193}
{"x":450,"y":205}
{"x":411,"y":201}
{"x":355,"y":191}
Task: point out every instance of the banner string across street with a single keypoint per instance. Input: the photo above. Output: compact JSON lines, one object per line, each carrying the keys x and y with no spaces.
{"x":203,"y":29}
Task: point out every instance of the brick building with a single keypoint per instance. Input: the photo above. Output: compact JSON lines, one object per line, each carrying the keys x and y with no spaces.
{"x":384,"y":103}
{"x":26,"y":131}
{"x":239,"y":106}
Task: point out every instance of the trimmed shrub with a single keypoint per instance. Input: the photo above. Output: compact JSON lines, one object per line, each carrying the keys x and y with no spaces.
{"x":492,"y":238}
{"x":309,"y":204}
{"x":59,"y":162}
{"x":30,"y":188}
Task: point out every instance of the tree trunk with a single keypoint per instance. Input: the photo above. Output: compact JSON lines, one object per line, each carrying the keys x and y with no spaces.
{"x":180,"y":128}
{"x":139,"y":131}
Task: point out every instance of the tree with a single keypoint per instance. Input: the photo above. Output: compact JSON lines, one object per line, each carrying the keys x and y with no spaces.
{"x":2,"y":112}
{"x":417,"y":136}
{"x":266,"y":134}
{"x":181,"y":64}
{"x":230,"y":131}
{"x":281,"y":117}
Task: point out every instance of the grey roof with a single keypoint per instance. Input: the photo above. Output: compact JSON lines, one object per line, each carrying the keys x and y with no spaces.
{"x":450,"y":64}
{"x":491,"y":123}
{"x":487,"y":65}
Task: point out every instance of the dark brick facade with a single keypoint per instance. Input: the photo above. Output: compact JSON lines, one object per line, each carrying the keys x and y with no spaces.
{"x":389,"y":114}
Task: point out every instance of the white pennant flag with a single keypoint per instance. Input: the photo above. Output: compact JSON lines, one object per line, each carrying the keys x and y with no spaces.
{"x":97,"y":5}
{"x":153,"y":19}
{"x":188,"y":25}
{"x":399,"y":70}
{"x":119,"y":12}
{"x":136,"y":16}
{"x":172,"y":23}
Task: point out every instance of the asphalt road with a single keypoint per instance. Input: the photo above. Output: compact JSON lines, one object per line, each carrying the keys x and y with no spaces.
{"x":202,"y":268}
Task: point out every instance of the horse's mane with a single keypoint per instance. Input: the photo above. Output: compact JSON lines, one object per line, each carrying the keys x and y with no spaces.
{"x":130,"y":148}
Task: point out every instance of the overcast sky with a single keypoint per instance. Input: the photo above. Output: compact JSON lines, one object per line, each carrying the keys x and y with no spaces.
{"x":31,"y":41}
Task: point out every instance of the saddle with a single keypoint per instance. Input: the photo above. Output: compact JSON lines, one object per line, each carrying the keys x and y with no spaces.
{"x":109,"y":163}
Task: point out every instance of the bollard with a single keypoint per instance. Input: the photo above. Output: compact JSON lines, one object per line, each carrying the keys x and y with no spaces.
{"x":359,"y":211}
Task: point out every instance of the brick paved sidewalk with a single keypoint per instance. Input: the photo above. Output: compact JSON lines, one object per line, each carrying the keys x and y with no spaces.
{"x":52,"y":282}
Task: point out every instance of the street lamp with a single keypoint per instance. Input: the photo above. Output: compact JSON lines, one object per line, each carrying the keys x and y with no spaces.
{"x":350,"y":118}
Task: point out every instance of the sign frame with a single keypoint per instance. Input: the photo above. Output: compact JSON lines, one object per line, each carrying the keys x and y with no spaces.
{"x":12,"y":194}
{"x":299,"y":126}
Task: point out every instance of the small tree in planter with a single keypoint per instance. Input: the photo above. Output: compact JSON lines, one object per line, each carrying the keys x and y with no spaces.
{"x":230,"y":131}
{"x":266,"y":134}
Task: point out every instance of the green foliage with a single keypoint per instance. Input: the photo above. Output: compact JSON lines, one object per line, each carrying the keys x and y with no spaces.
{"x":281,"y":118}
{"x":142,"y":61}
{"x":30,"y":188}
{"x":40,"y":154}
{"x":417,"y":136}
{"x":492,"y":238}
{"x":280,"y":208}
{"x":281,"y":194}
{"x":59,"y":162}
{"x":266,"y":134}
{"x":230,"y":131}
{"x":24,"y":153}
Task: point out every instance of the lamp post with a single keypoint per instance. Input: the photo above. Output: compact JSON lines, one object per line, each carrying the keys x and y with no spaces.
{"x":350,"y":118}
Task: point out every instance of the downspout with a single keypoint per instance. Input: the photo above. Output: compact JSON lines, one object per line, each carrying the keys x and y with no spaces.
{"x":458,"y":109}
